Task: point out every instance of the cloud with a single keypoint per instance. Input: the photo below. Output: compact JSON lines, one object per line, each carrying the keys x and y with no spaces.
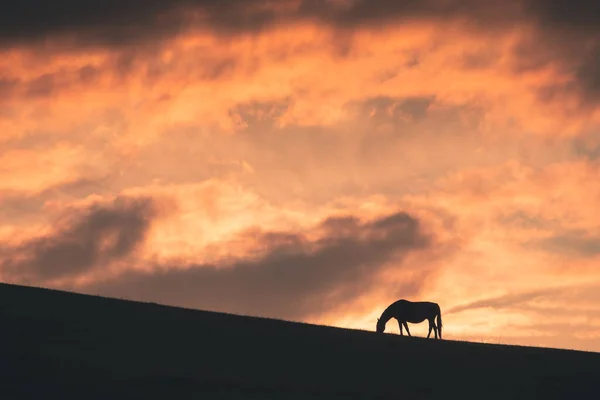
{"x":505,"y":301}
{"x":132,"y":21}
{"x":384,"y":108}
{"x":567,"y":37}
{"x":581,"y":15}
{"x":21,"y":208}
{"x":29,"y":171}
{"x":93,"y":238}
{"x":574,"y":295}
{"x":572,"y":244}
{"x":135,"y":20}
{"x":293,"y":276}
{"x":559,"y":33}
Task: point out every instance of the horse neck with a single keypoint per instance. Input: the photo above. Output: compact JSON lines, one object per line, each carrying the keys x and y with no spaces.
{"x":386,"y":315}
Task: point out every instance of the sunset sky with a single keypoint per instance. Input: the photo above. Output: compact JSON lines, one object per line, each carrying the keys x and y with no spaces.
{"x":310,"y":160}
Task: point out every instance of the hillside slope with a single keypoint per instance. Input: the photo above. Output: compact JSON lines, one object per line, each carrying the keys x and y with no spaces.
{"x":63,"y":345}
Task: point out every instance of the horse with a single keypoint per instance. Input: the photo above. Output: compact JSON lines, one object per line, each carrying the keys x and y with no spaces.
{"x":414,"y":312}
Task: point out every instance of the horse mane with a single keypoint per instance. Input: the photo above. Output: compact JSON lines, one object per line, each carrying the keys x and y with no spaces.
{"x":389,"y":310}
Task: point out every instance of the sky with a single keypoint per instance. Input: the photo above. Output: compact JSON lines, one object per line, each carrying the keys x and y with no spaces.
{"x":310,"y":160}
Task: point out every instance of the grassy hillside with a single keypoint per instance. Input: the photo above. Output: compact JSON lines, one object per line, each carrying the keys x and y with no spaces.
{"x":63,"y":345}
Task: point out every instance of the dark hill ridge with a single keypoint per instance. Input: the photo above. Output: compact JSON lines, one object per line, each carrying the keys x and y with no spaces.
{"x":63,"y":345}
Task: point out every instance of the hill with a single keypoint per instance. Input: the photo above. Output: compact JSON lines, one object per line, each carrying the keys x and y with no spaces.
{"x":64,"y":345}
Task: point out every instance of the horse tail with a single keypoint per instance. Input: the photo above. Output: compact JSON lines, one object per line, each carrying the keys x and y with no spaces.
{"x":439,"y":321}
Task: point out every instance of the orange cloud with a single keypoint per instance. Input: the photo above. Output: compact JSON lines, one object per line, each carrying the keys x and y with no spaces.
{"x":32,"y":171}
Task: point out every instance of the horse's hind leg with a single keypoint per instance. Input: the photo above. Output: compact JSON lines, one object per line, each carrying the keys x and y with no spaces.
{"x":432,"y":326}
{"x":435,"y":328}
{"x":407,"y":330}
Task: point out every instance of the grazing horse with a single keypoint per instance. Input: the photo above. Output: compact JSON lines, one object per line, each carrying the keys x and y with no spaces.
{"x":414,"y":312}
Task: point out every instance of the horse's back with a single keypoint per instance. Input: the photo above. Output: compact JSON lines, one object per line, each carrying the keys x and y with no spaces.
{"x":403,"y":302}
{"x":415,"y":307}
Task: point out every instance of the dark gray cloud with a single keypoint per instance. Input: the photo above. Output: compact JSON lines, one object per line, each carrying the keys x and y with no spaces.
{"x":525,"y":220}
{"x":261,"y":114}
{"x":114,"y":22}
{"x":96,"y":237}
{"x":573,"y":244}
{"x":46,"y":85}
{"x":566,"y":15}
{"x":294,"y":277}
{"x":567,"y":37}
{"x":588,"y":73}
{"x":385,"y":108}
{"x":586,"y":146}
{"x":580,"y":62}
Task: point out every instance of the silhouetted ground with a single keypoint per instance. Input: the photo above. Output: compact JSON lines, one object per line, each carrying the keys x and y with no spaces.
{"x":69,"y":346}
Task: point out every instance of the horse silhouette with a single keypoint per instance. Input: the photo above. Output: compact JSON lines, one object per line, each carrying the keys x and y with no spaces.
{"x":414,"y":312}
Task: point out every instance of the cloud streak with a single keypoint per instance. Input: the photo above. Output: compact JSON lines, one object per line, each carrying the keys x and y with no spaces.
{"x":293,"y":276}
{"x":505,"y":301}
{"x":96,"y":237}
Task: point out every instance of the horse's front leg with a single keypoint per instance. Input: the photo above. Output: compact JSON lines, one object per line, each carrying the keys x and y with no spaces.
{"x":407,"y":330}
{"x":400,"y":325}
